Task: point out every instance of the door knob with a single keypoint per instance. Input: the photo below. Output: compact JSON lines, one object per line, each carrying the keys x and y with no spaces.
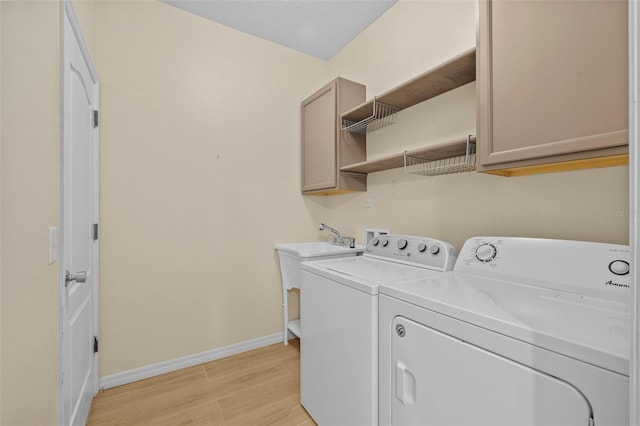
{"x":80,"y":277}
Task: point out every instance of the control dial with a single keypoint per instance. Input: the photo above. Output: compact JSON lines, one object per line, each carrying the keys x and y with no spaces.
{"x":435,"y":250}
{"x":385,"y":242}
{"x":619,"y":267}
{"x":375,"y":242}
{"x":402,"y":244}
{"x":486,"y":252}
{"x":422,"y":247}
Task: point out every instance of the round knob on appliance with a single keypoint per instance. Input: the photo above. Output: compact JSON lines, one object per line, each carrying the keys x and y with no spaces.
{"x":385,"y":242}
{"x":422,"y":247}
{"x":619,"y":267}
{"x":402,"y":244}
{"x":435,"y":250}
{"x":486,"y":252}
{"x":375,"y":242}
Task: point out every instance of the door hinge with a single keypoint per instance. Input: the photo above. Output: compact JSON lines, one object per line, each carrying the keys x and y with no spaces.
{"x":95,"y":118}
{"x":95,"y":344}
{"x":95,"y":232}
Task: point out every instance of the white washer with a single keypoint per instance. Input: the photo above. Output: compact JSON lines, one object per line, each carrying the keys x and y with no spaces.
{"x":339,"y":324}
{"x":522,"y":332}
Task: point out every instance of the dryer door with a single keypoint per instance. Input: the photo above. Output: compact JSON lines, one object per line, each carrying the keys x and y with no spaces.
{"x":441,"y":380}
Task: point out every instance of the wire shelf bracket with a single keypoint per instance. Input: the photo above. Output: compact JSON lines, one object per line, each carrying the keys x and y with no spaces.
{"x":383,"y":115}
{"x":457,"y":164}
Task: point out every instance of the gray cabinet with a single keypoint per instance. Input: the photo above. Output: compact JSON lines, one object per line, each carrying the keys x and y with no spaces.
{"x":552,"y":85}
{"x":325,"y":146}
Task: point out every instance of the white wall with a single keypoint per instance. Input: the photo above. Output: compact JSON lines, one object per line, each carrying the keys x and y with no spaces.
{"x":29,"y":83}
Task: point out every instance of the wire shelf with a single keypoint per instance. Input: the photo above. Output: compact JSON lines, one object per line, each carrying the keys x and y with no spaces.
{"x":444,"y":166}
{"x":383,"y":115}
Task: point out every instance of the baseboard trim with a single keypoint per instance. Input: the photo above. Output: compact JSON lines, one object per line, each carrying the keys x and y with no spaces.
{"x":152,"y":370}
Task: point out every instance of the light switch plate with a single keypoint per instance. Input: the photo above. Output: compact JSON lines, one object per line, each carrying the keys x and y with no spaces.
{"x":53,"y":244}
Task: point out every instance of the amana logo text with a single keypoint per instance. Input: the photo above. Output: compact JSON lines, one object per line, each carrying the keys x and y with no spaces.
{"x":616,"y":284}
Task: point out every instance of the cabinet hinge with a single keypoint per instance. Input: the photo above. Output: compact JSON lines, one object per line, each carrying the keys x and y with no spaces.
{"x":95,"y":232}
{"x":95,"y":118}
{"x":95,"y":344}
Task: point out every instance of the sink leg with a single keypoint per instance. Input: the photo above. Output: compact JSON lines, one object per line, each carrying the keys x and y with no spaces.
{"x":285,"y":305}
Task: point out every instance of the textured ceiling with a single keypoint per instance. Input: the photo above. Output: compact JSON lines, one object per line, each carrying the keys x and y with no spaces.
{"x":317,"y":27}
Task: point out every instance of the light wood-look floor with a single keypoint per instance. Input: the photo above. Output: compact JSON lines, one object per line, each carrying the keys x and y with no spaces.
{"x":260,"y":387}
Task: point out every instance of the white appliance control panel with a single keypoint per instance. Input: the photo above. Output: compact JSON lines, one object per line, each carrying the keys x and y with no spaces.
{"x":592,"y":269}
{"x":417,"y":251}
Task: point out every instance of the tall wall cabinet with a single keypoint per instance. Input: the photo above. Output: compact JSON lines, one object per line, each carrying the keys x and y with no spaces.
{"x":325,"y":146}
{"x":552,"y":85}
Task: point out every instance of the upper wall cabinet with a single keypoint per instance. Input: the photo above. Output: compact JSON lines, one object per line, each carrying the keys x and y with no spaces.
{"x":552,"y":85}
{"x":325,"y":146}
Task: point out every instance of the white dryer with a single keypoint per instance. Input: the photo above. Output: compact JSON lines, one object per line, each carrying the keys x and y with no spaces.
{"x":522,"y":332}
{"x":339,"y":324}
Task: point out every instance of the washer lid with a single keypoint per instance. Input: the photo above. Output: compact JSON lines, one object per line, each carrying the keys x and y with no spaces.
{"x":593,"y":330}
{"x":365,"y":273}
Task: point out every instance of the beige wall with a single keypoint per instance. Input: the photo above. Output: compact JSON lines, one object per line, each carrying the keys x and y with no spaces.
{"x":1,"y":244}
{"x":29,"y":205}
{"x":200,"y":177}
{"x":200,"y":171}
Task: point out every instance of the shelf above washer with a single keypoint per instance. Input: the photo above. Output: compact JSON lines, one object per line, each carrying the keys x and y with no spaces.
{"x":432,"y":152}
{"x":450,"y":75}
{"x":465,"y":162}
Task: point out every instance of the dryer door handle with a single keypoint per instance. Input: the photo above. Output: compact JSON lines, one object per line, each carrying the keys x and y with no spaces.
{"x":405,"y":384}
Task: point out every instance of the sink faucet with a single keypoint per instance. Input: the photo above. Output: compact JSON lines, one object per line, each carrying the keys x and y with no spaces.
{"x":337,"y":238}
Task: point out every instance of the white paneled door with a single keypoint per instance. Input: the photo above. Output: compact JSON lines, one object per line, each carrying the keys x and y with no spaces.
{"x":634,"y":205}
{"x":78,"y":283}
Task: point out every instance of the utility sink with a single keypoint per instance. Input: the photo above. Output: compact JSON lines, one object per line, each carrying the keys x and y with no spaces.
{"x":291,"y":255}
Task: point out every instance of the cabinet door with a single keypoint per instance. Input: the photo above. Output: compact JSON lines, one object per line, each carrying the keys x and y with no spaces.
{"x":319,"y":139}
{"x":325,"y":146}
{"x":552,"y":80}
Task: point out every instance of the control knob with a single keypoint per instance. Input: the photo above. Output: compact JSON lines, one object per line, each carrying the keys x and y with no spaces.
{"x":619,"y":267}
{"x":422,"y":247}
{"x":385,"y":242}
{"x":402,"y":244}
{"x":486,"y":252}
{"x":375,"y":242}
{"x":435,"y":250}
